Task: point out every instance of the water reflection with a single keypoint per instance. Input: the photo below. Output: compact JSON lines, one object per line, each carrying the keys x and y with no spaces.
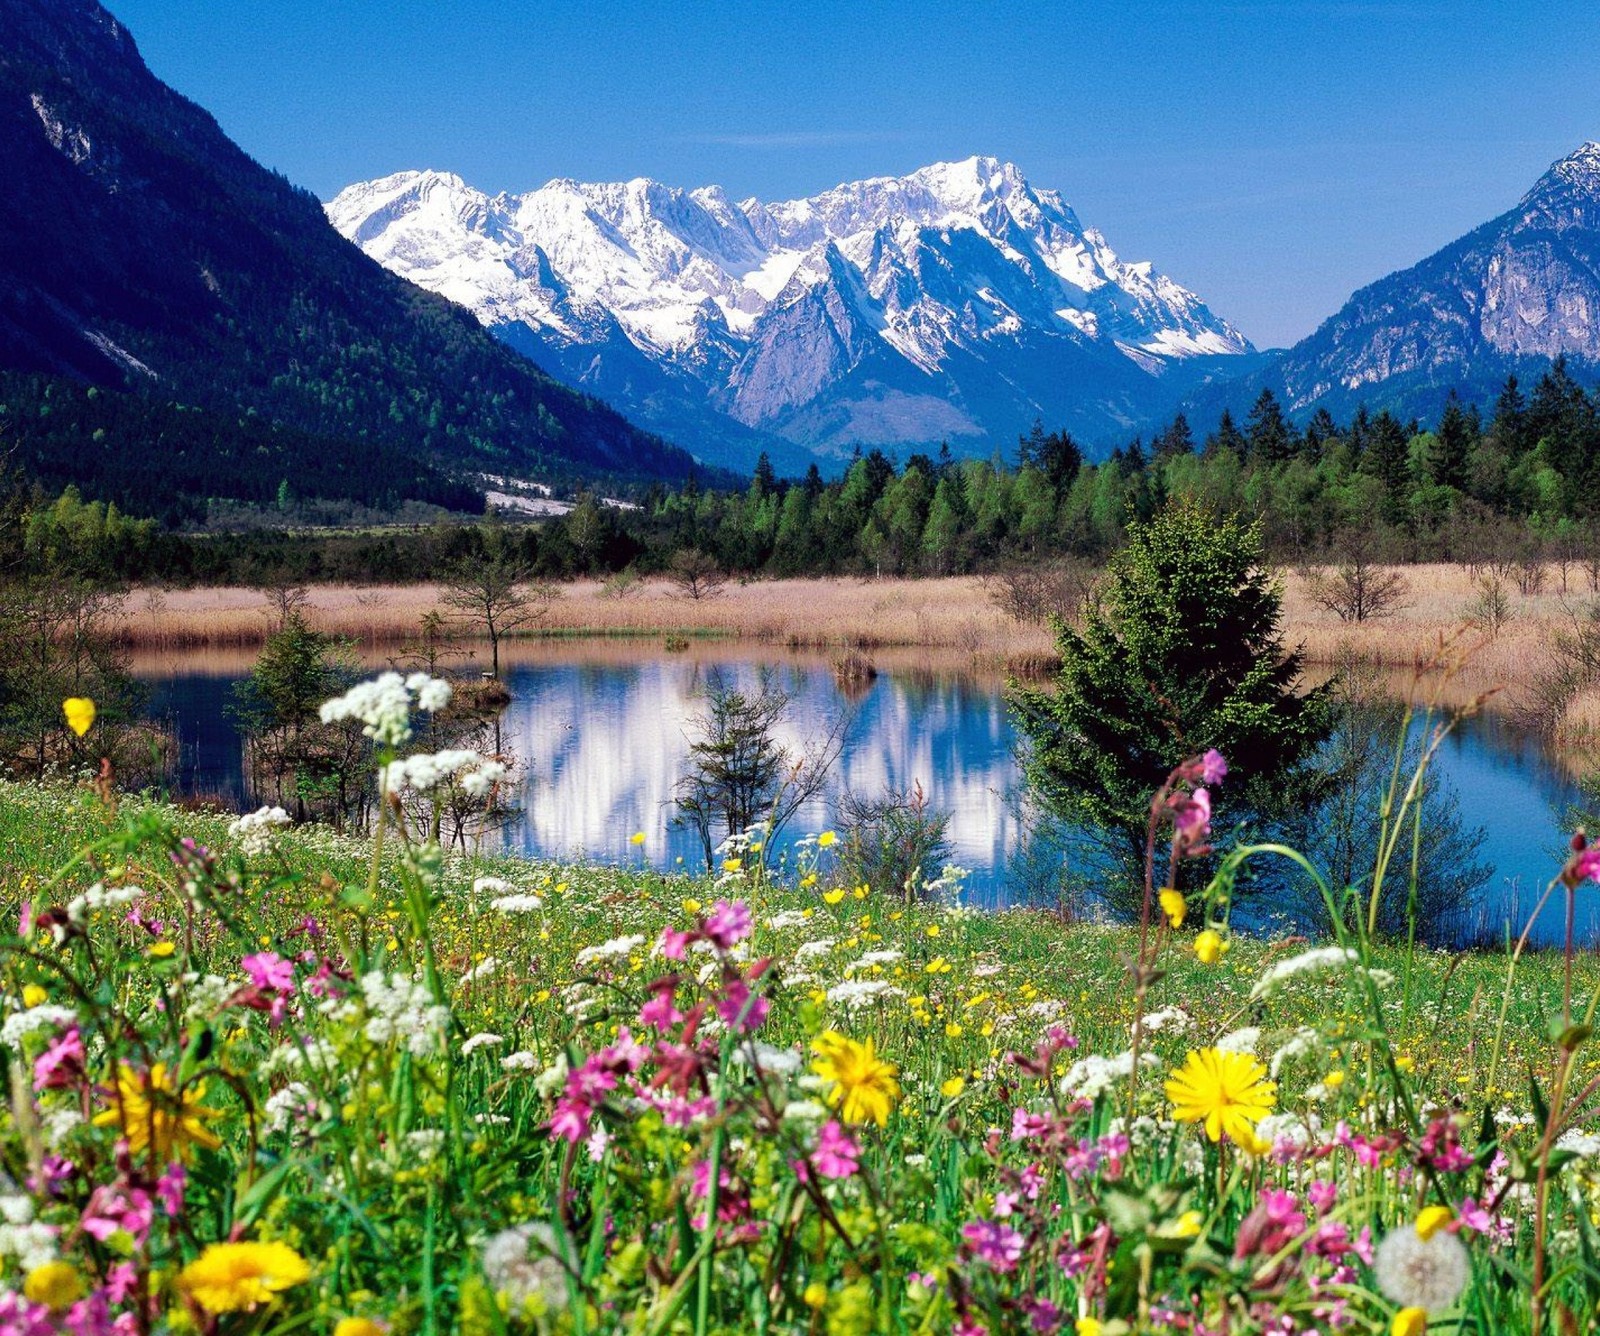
{"x":601,"y":731}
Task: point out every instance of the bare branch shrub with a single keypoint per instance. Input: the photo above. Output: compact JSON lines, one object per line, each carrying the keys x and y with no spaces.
{"x":1358,"y":589}
{"x":696,"y":574}
{"x":1491,"y":608}
{"x":893,"y":843}
{"x":1031,"y":593}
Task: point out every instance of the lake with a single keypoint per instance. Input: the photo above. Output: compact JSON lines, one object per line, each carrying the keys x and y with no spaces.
{"x":600,"y":730}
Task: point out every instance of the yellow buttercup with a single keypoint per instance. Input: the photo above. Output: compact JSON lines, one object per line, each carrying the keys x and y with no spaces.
{"x":80,"y":713}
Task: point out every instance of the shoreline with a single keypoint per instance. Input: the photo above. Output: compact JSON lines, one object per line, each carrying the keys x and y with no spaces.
{"x":954,"y":615}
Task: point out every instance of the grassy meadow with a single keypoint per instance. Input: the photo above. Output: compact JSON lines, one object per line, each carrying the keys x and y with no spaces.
{"x":268,"y":1080}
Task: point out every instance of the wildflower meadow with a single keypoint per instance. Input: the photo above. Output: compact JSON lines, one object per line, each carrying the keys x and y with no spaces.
{"x":268,"y":1079}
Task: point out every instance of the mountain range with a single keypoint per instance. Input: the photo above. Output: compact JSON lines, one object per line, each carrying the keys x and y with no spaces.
{"x":415,"y":334}
{"x":141,"y":250}
{"x":957,"y":303}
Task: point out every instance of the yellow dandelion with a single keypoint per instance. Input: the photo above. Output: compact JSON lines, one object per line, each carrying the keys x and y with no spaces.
{"x":231,"y":1277}
{"x":160,"y":950}
{"x":861,"y":1085}
{"x":1209,"y":946}
{"x":33,"y":995}
{"x":79,"y":711}
{"x":153,"y":1114}
{"x":833,"y":897}
{"x":1229,"y":1092}
{"x":825,"y":839}
{"x":1431,"y":1219}
{"x":1174,"y":906}
{"x":953,"y":1087}
{"x":636,"y":838}
{"x":359,"y":1326}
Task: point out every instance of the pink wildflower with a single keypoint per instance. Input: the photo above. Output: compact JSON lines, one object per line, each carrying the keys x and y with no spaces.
{"x":998,"y":1245}
{"x":836,"y":1155}
{"x":729,"y":924}
{"x":267,"y":969}
{"x":1212,"y":767}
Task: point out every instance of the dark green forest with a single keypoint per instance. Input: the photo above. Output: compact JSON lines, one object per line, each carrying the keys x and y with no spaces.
{"x":1519,"y":479}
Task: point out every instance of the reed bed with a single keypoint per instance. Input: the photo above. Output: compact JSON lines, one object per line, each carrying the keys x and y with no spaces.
{"x":954,"y":614}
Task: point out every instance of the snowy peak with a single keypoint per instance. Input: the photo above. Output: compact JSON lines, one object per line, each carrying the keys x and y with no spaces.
{"x":771,"y":308}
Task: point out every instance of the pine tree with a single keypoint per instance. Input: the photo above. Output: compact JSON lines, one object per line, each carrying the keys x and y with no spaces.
{"x":1388,"y":459}
{"x":1227,"y":437}
{"x":1176,"y":441}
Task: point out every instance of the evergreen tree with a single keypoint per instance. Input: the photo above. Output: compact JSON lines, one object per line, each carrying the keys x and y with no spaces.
{"x":1060,"y":458}
{"x":1227,"y":437}
{"x":1388,"y":459}
{"x":1509,"y":428}
{"x":1452,"y":446}
{"x":1183,"y":652}
{"x":1269,"y":435}
{"x":1176,"y":441}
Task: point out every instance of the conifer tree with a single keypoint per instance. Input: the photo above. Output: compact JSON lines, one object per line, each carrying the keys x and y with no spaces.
{"x":1183,"y":651}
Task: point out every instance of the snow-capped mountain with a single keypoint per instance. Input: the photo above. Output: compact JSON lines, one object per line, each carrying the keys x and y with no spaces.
{"x":956,"y":303}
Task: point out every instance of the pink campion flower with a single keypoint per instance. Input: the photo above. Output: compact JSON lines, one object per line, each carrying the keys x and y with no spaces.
{"x":998,"y":1245}
{"x":729,"y":923}
{"x":1025,"y":1124}
{"x":18,"y":1317}
{"x":966,"y":1326}
{"x":1472,"y":1215}
{"x":674,"y":943}
{"x":1031,"y":1180}
{"x":122,"y":1280}
{"x":54,"y":1171}
{"x":741,"y":1010}
{"x":1441,"y":1148}
{"x":1191,"y":814}
{"x":1322,"y":1195}
{"x":626,"y":1052}
{"x":836,"y":1155}
{"x":659,"y":1012}
{"x":61,"y":1063}
{"x":1005,"y":1204}
{"x":111,"y":1209}
{"x":267,"y":969}
{"x":1212,"y":767}
{"x":169,"y":1188}
{"x":570,"y":1121}
{"x":1043,"y":1314}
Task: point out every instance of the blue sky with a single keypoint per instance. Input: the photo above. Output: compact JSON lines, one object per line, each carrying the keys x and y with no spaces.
{"x":1272,"y":156}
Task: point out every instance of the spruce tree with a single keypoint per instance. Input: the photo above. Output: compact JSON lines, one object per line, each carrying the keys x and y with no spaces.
{"x":1183,"y":651}
{"x":1227,"y":437}
{"x":1269,"y":435}
{"x":1452,"y":446}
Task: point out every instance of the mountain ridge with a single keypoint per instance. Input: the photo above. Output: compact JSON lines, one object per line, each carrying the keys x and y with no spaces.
{"x":956,"y":301}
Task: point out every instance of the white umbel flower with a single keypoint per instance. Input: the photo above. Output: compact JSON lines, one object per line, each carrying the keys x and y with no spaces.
{"x":1316,"y":961}
{"x":1422,"y":1273}
{"x":253,"y":832}
{"x":616,"y":948}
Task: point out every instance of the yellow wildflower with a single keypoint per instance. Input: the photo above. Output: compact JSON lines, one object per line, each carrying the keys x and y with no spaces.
{"x":636,"y":838}
{"x":161,"y":950}
{"x":825,"y":839}
{"x":861,"y":1085}
{"x":816,"y":1294}
{"x":1409,"y":1322}
{"x":56,"y":1285}
{"x":1088,"y":1326}
{"x":833,"y":897}
{"x":1174,"y":906}
{"x":153,"y":1114}
{"x":953,"y":1087}
{"x":1229,"y":1092}
{"x":33,"y":995}
{"x":1209,"y":946}
{"x":359,"y":1326}
{"x":79,"y":711}
{"x":1431,"y":1219}
{"x":230,"y":1277}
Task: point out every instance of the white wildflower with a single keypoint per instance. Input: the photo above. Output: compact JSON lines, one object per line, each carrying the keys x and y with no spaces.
{"x":853,"y":994}
{"x":616,"y":948}
{"x":253,"y":832}
{"x":294,"y":1103}
{"x":1175,"y":1019}
{"x":382,"y":706}
{"x":432,"y":693}
{"x":1422,"y":1273}
{"x":491,"y":886}
{"x":1315,"y":961}
{"x":811,"y":950}
{"x":1091,"y":1076}
{"x":21,"y":1236}
{"x":1243,"y":1040}
{"x":789,"y":918}
{"x":523,"y":903}
{"x":874,"y":959}
{"x":474,"y":773}
{"x":102,"y":897}
{"x":482,"y":970}
{"x":58,"y":1124}
{"x":1303,"y":1041}
{"x":522,"y":1061}
{"x":1585,"y":1145}
{"x":478,"y":1041}
{"x":45,"y":1016}
{"x":400,"y":1008}
{"x":524,"y":1263}
{"x":426,"y":1142}
{"x":779,"y":1061}
{"x":804,"y":1111}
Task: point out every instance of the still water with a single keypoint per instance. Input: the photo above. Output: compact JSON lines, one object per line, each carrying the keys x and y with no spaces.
{"x":600,"y":732}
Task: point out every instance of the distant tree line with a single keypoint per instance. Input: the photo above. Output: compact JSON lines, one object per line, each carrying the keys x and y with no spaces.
{"x":1517,"y":481}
